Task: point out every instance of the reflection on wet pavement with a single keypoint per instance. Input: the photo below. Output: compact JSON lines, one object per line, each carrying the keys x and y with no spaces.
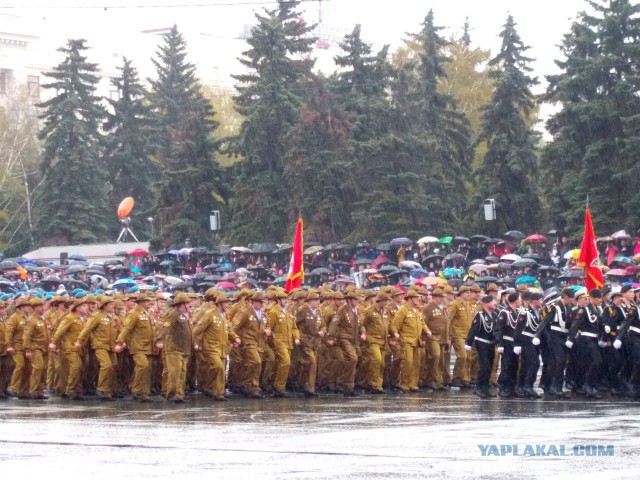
{"x":442,"y":434}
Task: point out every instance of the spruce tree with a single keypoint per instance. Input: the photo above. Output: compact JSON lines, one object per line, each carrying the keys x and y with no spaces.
{"x":192,"y":183}
{"x":509,"y":170}
{"x":73,"y":206}
{"x":270,"y":96}
{"x":130,"y":169}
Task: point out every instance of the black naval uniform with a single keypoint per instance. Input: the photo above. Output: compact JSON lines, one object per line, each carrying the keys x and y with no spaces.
{"x":584,"y":333}
{"x":528,"y":326}
{"x":629,"y":336}
{"x":481,"y":334}
{"x":556,"y":321}
{"x":612,"y":318}
{"x":505,"y":336}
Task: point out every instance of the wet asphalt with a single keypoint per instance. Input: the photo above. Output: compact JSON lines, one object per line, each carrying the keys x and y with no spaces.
{"x":439,"y":435}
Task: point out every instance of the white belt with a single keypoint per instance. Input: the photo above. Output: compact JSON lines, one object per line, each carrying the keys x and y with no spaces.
{"x":559,"y":329}
{"x":478,"y":339}
{"x":529,"y":334}
{"x":634,"y":329}
{"x":504,"y":337}
{"x":588,"y":334}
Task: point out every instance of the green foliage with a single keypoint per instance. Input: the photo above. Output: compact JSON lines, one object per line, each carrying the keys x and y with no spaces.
{"x":73,"y":204}
{"x":509,"y":170}
{"x":129,"y":165}
{"x":191,"y":182}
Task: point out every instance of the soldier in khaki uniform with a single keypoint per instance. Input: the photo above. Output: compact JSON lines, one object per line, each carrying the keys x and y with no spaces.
{"x":393,"y":360}
{"x":234,"y":379}
{"x":5,"y":360}
{"x":67,"y":335}
{"x":14,"y":333}
{"x":202,"y":365}
{"x":312,"y":329}
{"x":408,"y":327}
{"x":342,"y":333}
{"x":36,"y":346}
{"x":284,"y":336}
{"x":296,"y":300}
{"x":459,"y":324}
{"x":174,"y":339}
{"x":138,"y":337}
{"x":249,"y":324}
{"x":211,"y":336}
{"x":375,"y":332}
{"x":436,"y":319}
{"x":100,"y":332}
{"x":329,"y":356}
{"x":53,"y":316}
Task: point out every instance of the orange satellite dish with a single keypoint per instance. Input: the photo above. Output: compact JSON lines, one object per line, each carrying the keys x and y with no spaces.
{"x":125,"y":207}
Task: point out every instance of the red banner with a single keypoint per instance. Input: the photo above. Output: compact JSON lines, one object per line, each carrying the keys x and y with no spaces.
{"x":296,"y":267}
{"x":588,"y":258}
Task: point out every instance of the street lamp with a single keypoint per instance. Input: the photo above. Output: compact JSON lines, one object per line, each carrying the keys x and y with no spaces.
{"x":150,"y":220}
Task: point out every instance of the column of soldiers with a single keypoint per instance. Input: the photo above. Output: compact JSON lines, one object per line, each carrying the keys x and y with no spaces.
{"x":265,"y":343}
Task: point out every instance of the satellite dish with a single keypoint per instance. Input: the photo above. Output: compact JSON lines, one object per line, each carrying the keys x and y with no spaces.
{"x":125,"y":207}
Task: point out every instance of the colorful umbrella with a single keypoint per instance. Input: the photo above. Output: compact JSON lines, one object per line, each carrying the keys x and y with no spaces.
{"x":226,"y":284}
{"x":138,"y":252}
{"x":536,"y":238}
{"x":428,"y":239}
{"x":618,"y":272}
{"x":620,"y":234}
{"x":445,"y":240}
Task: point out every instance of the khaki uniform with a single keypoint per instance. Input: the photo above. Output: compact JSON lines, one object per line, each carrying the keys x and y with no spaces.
{"x":309,"y":324}
{"x":175,"y":333}
{"x":435,"y":316}
{"x":5,"y":360}
{"x":36,"y":342}
{"x":212,"y":333}
{"x":137,"y":333}
{"x":100,"y":331}
{"x":393,"y":358}
{"x":249,"y":325}
{"x":284,"y":332}
{"x":234,"y":379}
{"x":408,"y":323}
{"x":328,"y":357}
{"x":67,"y":335}
{"x":459,"y":324}
{"x":52,"y":318}
{"x":344,"y":330}
{"x":375,"y":325}
{"x":14,"y":333}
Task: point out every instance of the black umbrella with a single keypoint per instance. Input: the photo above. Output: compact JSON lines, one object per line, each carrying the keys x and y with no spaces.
{"x":363,"y":261}
{"x":524,"y":263}
{"x":5,"y":283}
{"x":263,"y":247}
{"x":121,"y":253}
{"x":211,"y":266}
{"x":492,"y":259}
{"x":460,"y":239}
{"x":80,"y":258}
{"x":29,"y":267}
{"x":112,"y":261}
{"x":433,"y":257}
{"x":505,"y":280}
{"x":42,"y":263}
{"x":320,"y":271}
{"x":535,"y":256}
{"x":51,"y":279}
{"x":182,"y":285}
{"x":576,"y":273}
{"x":76,"y":268}
{"x":478,"y":238}
{"x":514,"y":234}
{"x":388,"y":268}
{"x":454,"y":256}
{"x":487,"y":279}
{"x":383,"y":246}
{"x":400,"y":242}
{"x":455,"y":282}
{"x":364,"y":244}
{"x":118,"y":268}
{"x":478,"y":261}
{"x":8,"y":265}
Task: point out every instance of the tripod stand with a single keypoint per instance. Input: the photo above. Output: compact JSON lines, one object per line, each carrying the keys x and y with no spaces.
{"x":125,"y":230}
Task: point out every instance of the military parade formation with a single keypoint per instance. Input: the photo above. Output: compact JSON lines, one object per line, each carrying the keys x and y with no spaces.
{"x":306,"y":342}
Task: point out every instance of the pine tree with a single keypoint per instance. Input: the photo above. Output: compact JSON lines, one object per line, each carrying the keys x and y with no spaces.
{"x":595,"y":134}
{"x":509,"y":170}
{"x":131,"y":171}
{"x":269,"y":98}
{"x":191,"y":183}
{"x":73,"y":207}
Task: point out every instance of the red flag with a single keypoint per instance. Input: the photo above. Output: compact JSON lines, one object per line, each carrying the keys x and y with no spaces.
{"x":296,"y":270}
{"x":588,"y":258}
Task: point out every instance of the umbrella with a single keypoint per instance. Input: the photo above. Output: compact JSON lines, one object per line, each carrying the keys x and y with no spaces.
{"x":31,"y":268}
{"x":370,"y":271}
{"x":121,"y":254}
{"x":478,"y":268}
{"x":431,"y":281}
{"x":433,"y":257}
{"x":535,"y":256}
{"x":112,"y":261}
{"x":575,"y":253}
{"x":364,"y":261}
{"x":182,"y":285}
{"x":124,"y":281}
{"x":138,"y":252}
{"x":265,"y":247}
{"x":493,"y":241}
{"x":227,"y":284}
{"x":510,"y":257}
{"x":536,"y":238}
{"x":504,"y":280}
{"x":211,"y":266}
{"x":119,"y":268}
{"x":167,"y":262}
{"x":410,"y":264}
{"x":514,"y":234}
{"x":76,"y":268}
{"x":487,"y":279}
{"x":478,"y":261}
{"x":460,"y":239}
{"x":384,"y":247}
{"x":321,"y":271}
{"x":388,"y":269}
{"x":450,"y":272}
{"x":241,"y":249}
{"x":445,"y":240}
{"x":549,"y":268}
{"x":313,"y":249}
{"x":454,"y":256}
{"x":618,"y":272}
{"x":418,"y":272}
{"x":626,"y":260}
{"x":8,"y":265}
{"x":172,"y":280}
{"x":525,"y":279}
{"x":344,"y":279}
{"x":492,"y":259}
{"x":400,"y":242}
{"x":604,"y":239}
{"x":620,"y":234}
{"x":77,"y":257}
{"x":524,"y":262}
{"x":51,"y":279}
{"x":428,"y":239}
{"x":478,"y":238}
{"x":281,"y":279}
{"x":573,"y":273}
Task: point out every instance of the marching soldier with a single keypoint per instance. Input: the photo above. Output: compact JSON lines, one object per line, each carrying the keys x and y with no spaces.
{"x":342,"y":333}
{"x":629,"y":340}
{"x":312,"y":330}
{"x":14,"y":333}
{"x":375,"y":333}
{"x":613,"y":316}
{"x":459,"y":324}
{"x":5,"y":360}
{"x":436,"y":319}
{"x":505,"y":337}
{"x":408,"y":327}
{"x":527,"y":342}
{"x":138,"y":337}
{"x":482,"y":334}
{"x":36,"y":346}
